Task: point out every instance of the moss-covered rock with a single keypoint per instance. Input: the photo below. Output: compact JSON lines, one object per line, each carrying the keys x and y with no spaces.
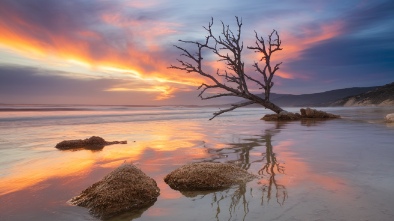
{"x":312,"y":113}
{"x":390,"y":118}
{"x":93,"y":142}
{"x":306,"y":113}
{"x":287,"y":116}
{"x":125,"y":189}
{"x":207,"y":176}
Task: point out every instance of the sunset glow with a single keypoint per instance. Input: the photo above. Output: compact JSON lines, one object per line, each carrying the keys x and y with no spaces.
{"x":292,"y":97}
{"x":70,"y":163}
{"x":129,"y":42}
{"x":301,"y":171}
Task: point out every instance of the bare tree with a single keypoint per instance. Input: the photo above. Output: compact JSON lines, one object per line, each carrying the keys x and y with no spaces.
{"x":233,"y":81}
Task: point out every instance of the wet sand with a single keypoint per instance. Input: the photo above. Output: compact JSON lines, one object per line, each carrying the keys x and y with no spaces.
{"x":315,"y":170}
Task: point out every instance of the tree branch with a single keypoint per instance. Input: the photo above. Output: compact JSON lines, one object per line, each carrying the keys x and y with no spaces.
{"x":254,"y":80}
{"x":234,"y":106}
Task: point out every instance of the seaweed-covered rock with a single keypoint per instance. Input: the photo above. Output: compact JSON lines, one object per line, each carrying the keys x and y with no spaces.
{"x":390,"y":118}
{"x":93,"y":142}
{"x":312,"y":113}
{"x":207,"y":176}
{"x":125,"y":189}
{"x":307,"y":113}
{"x":283,"y":116}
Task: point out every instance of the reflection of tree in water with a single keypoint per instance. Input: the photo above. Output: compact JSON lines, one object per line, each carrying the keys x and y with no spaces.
{"x":239,"y":194}
{"x":270,"y":169}
{"x":236,"y":198}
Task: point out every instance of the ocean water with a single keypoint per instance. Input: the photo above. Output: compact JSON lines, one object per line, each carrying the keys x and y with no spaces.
{"x":308,"y":170}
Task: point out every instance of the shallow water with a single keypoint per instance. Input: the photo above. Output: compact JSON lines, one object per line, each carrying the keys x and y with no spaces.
{"x":309,"y":170}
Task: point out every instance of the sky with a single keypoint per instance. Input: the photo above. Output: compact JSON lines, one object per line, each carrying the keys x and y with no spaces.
{"x":117,"y":52}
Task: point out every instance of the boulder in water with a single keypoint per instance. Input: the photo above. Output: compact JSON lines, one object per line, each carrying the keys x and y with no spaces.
{"x":93,"y":142}
{"x":390,"y":118}
{"x":313,"y":113}
{"x":306,"y":113}
{"x":207,"y":176}
{"x":283,"y":116}
{"x":125,"y":189}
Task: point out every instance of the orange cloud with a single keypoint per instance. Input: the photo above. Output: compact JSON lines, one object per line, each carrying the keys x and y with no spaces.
{"x":134,"y":49}
{"x":284,"y":74}
{"x":164,"y":91}
{"x":293,"y":45}
{"x":132,"y":56}
{"x":150,"y":32}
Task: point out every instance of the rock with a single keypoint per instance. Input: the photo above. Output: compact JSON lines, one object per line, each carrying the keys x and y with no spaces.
{"x":390,"y":118}
{"x":284,"y":113}
{"x":125,"y":189}
{"x":287,"y":116}
{"x":307,"y":113}
{"x":312,"y":113}
{"x":93,"y":142}
{"x":303,"y":112}
{"x":207,"y":176}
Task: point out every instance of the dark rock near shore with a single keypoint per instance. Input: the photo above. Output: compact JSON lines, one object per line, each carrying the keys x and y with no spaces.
{"x":312,"y":113}
{"x":390,"y":118}
{"x":93,"y":142}
{"x":125,"y":189}
{"x":287,"y":116}
{"x":306,"y":113}
{"x":207,"y":176}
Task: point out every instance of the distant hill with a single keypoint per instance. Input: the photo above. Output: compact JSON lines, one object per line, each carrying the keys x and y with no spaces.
{"x":355,"y":96}
{"x":380,"y":96}
{"x":317,"y":99}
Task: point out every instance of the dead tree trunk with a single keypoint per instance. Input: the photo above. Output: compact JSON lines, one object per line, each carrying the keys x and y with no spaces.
{"x":233,"y":81}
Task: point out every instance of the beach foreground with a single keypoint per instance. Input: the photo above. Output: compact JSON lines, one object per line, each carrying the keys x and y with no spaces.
{"x":308,"y":170}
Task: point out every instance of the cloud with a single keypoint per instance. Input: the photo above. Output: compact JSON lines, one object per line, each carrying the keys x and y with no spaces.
{"x":131,"y":42}
{"x":32,"y":85}
{"x":361,"y":54}
{"x":95,"y":33}
{"x":27,"y":85}
{"x":163,"y":92}
{"x":376,"y":17}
